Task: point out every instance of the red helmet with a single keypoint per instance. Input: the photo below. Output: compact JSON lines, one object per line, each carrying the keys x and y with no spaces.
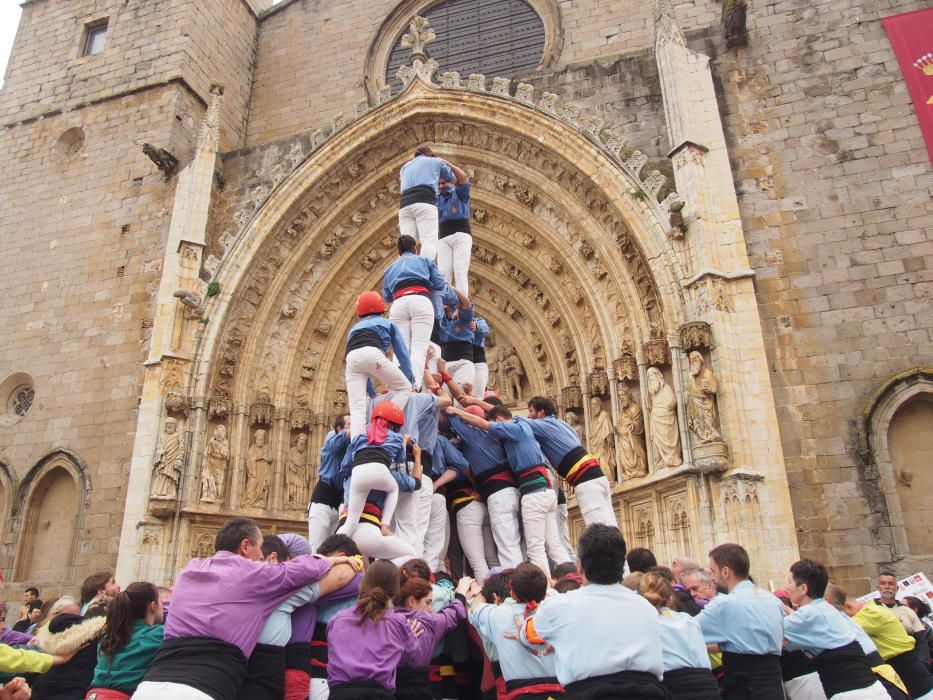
{"x":476,"y":411}
{"x":369,"y":303}
{"x":389,"y":411}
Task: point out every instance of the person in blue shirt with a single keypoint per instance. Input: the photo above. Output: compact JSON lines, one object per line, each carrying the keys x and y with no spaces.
{"x":456,"y":341}
{"x":538,"y":499}
{"x":495,"y":482}
{"x":367,"y":343}
{"x":747,"y":625}
{"x":480,"y":366}
{"x":328,"y":492}
{"x":688,"y":673}
{"x":407,"y":284}
{"x":817,"y":629}
{"x":419,"y":182}
{"x":455,"y":239}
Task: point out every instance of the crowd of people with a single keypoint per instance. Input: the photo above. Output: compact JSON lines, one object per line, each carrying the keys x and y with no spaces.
{"x":438,"y":564}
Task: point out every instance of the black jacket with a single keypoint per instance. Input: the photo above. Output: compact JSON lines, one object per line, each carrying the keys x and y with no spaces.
{"x":72,"y":680}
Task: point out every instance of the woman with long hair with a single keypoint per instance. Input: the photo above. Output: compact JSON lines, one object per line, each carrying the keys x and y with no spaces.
{"x":132,"y":634}
{"x":366,"y":642}
{"x":687,"y":670}
{"x":414,"y":601}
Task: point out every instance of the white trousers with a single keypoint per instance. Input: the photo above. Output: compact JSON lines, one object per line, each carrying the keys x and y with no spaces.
{"x":406,"y":518}
{"x":437,"y":536}
{"x":562,"y":515}
{"x":463,"y":373}
{"x":480,"y":379}
{"x":419,"y":220}
{"x":453,"y":257}
{"x":148,"y":690}
{"x":372,"y":544}
{"x":414,"y":316}
{"x":425,"y":496}
{"x":319,"y":689}
{"x":362,"y":364}
{"x":806,"y":687}
{"x":371,"y":476}
{"x":322,"y":523}
{"x":503,"y":507}
{"x":595,"y":500}
{"x":875,"y":691}
{"x":542,"y":538}
{"x":470,"y":521}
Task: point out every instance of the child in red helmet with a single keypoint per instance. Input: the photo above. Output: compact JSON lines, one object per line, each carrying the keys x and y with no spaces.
{"x":367,"y":343}
{"x":372,"y":485}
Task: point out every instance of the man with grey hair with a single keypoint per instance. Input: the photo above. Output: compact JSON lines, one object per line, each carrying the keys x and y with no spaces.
{"x":679,"y":567}
{"x":700,"y":586}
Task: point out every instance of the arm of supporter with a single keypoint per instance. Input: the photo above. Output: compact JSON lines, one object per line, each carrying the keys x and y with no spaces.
{"x":460,"y":174}
{"x":475,"y":401}
{"x":351,"y":589}
{"x":796,"y":628}
{"x":445,"y":478}
{"x":481,"y":614}
{"x":370,"y":389}
{"x":536,"y":629}
{"x":440,"y":623}
{"x":475,"y":421}
{"x":405,"y":482}
{"x":386,"y":291}
{"x":294,"y":573}
{"x":14,"y":638}
{"x":436,"y":277}
{"x":712,"y":624}
{"x":337,"y":583}
{"x":23,"y":660}
{"x":401,"y":352}
{"x":482,"y":326}
{"x":504,"y":430}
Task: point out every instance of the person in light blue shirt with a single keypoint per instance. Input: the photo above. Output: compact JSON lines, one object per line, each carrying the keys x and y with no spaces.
{"x":748,"y":626}
{"x":816,"y":628}
{"x":455,"y":336}
{"x":687,"y":668}
{"x":606,"y":639}
{"x":496,"y":626}
{"x":419,"y":182}
{"x":455,"y":238}
{"x":328,"y":492}
{"x":367,"y":343}
{"x":409,"y":283}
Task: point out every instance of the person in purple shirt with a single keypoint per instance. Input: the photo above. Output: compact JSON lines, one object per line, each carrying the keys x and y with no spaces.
{"x":367,"y":642}
{"x":219,"y":607}
{"x":414,"y":600}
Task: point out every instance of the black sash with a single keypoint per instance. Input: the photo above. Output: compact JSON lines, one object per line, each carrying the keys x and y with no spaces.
{"x":298,"y":656}
{"x":265,"y":674}
{"x":752,"y":676}
{"x":363,"y":338}
{"x":319,"y":651}
{"x":412,"y":282}
{"x":844,"y":668}
{"x":360,"y":690}
{"x":210,"y":665}
{"x":624,"y":685}
{"x":448,"y":227}
{"x":691,"y":684}
{"x":912,"y":672}
{"x":419,"y":194}
{"x":413,"y":684}
{"x":368,"y":455}
{"x":795,"y":664}
{"x":455,"y":350}
{"x":479,"y":355}
{"x":327,"y":494}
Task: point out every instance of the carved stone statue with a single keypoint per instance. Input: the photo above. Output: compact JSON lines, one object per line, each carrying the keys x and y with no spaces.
{"x":701,"y":407}
{"x":631,"y":432}
{"x":665,"y":434}
{"x":214,"y":471}
{"x":602,"y":438}
{"x":170,"y":458}
{"x":296,"y":473}
{"x":574,"y":422}
{"x":511,"y":369}
{"x":258,"y":471}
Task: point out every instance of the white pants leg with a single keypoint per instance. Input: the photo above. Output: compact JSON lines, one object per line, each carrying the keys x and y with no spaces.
{"x":462,"y":249}
{"x":875,"y":691}
{"x":564,"y":530}
{"x":489,"y":544}
{"x":539,"y":518}
{"x":371,"y":476}
{"x":322,"y":523}
{"x":445,"y":259}
{"x":406,"y":519}
{"x":503,"y":507}
{"x":424,"y":496}
{"x":414,"y":316}
{"x":319,"y":689}
{"x":371,"y":543}
{"x":595,"y":500}
{"x":438,"y":533}
{"x":426,"y":221}
{"x":362,"y":364}
{"x":149,"y":690}
{"x":470,"y":531}
{"x":480,"y":378}
{"x":463,"y":373}
{"x":407,"y":223}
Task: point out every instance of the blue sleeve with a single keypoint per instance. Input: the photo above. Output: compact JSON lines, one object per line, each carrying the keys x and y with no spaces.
{"x":386,"y":292}
{"x":370,"y":389}
{"x":400,"y":452}
{"x":454,"y":459}
{"x":463,"y":192}
{"x":466,"y":316}
{"x":482,"y":326}
{"x":504,"y":431}
{"x":712,"y":624}
{"x":405,"y":483}
{"x":436,"y":278}
{"x":346,"y":464}
{"x":401,"y":352}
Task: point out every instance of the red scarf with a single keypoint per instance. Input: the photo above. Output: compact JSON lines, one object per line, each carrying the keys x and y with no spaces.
{"x":377,"y":431}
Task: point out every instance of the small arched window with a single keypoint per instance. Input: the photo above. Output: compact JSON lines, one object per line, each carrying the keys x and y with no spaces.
{"x":494,"y":37}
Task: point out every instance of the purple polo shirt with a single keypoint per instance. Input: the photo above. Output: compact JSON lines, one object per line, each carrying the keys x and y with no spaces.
{"x":436,"y":625}
{"x":367,"y":652}
{"x":229,"y":597}
{"x":305,"y":618}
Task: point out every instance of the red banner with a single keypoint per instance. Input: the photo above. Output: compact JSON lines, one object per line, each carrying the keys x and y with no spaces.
{"x":911,"y":34}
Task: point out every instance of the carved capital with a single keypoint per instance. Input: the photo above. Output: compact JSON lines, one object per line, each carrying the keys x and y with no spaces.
{"x":626,"y":368}
{"x":572,"y":397}
{"x":657,"y":353}
{"x":300,"y":418}
{"x":219,"y":406}
{"x":261,"y":414}
{"x":696,"y":335}
{"x":598,"y":382}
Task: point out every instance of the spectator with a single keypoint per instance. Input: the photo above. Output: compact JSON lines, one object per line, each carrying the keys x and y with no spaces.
{"x":33,"y":615}
{"x":97,"y":591}
{"x":640,"y":559}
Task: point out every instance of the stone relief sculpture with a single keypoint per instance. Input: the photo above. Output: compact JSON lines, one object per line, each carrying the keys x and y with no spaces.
{"x":574,"y":422}
{"x":258,"y":471}
{"x":214,"y":472}
{"x":170,"y":458}
{"x":511,"y":371}
{"x":602,"y":437}
{"x":665,"y":435}
{"x":296,"y":473}
{"x":631,"y":437}
{"x":701,"y":407}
